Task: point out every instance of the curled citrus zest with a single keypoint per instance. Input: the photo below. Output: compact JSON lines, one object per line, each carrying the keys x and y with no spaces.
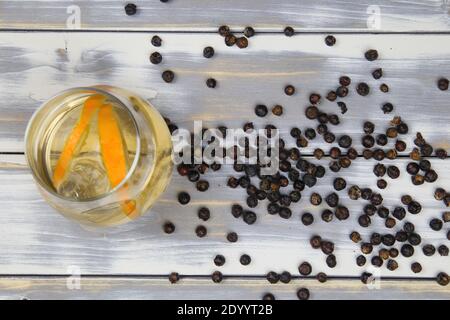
{"x":76,"y":137}
{"x":114,"y":153}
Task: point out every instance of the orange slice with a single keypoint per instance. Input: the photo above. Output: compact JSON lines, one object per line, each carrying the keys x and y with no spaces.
{"x":74,"y":141}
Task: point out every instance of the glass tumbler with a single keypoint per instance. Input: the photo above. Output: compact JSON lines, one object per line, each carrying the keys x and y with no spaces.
{"x":100,"y":155}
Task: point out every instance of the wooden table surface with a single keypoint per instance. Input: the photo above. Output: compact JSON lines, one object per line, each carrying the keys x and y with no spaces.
{"x":44,"y":50}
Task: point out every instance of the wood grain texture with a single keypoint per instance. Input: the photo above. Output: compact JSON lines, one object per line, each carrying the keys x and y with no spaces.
{"x":35,"y":65}
{"x":46,"y":288}
{"x":199,"y":15}
{"x":36,"y":240}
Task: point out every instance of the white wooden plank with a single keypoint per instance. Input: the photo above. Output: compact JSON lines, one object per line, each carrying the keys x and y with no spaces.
{"x":36,"y":240}
{"x":265,"y":15}
{"x":35,"y":66}
{"x":38,"y":288}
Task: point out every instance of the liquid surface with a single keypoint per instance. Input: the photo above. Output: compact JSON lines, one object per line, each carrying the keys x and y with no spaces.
{"x":86,"y":155}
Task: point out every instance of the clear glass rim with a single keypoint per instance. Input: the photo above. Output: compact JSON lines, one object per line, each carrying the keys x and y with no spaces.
{"x":30,"y":158}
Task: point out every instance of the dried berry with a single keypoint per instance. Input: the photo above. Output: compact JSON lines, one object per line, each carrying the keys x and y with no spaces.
{"x":443,"y":84}
{"x":305,"y":269}
{"x":371,"y":55}
{"x":289,"y":90}
{"x":168,"y":76}
{"x":289,"y":31}
{"x":130,"y":9}
{"x":363,"y":89}
{"x":303,"y":294}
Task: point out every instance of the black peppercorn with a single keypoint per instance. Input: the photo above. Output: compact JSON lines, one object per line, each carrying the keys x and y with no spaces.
{"x":384,"y":88}
{"x":208,"y":52}
{"x":355,"y":236}
{"x":310,"y":133}
{"x":383,"y":212}
{"x":174,"y":277}
{"x":441,"y":153}
{"x":155,"y":58}
{"x":388,"y":240}
{"x":230,"y":40}
{"x":204,"y":214}
{"x":268,"y":297}
{"x":436,"y":224}
{"x":379,"y":170}
{"x":371,"y":55}
{"x":289,"y":90}
{"x":224,"y":31}
{"x":442,"y":278}
{"x":354,"y":192}
{"x":277,"y":110}
{"x":360,"y":260}
{"x":399,"y":213}
{"x":368,"y":141}
{"x":327,"y":215}
{"x":381,"y":184}
{"x":232,"y":237}
{"x":342,"y":106}
{"x":387,"y":108}
{"x":315,"y":199}
{"x":303,"y":294}
{"x":236,"y":210}
{"x":341,"y":213}
{"x":332,"y":199}
{"x":364,"y":220}
{"x":202,"y":185}
{"x":285,"y":213}
{"x":168,"y":227}
{"x":211,"y":83}
{"x":363,"y":89}
{"x":345,"y":81}
{"x":329,"y":137}
{"x":330,"y":40}
{"x":261,"y":110}
{"x":245,"y":259}
{"x":407,"y":250}
{"x":249,"y":32}
{"x":375,"y":239}
{"x":321,"y":277}
{"x":377,"y":261}
{"x":331,"y":261}
{"x":156,"y":41}
{"x":443,"y":84}
{"x":393,"y":253}
{"x":219,"y":260}
{"x":289,"y":31}
{"x":307,"y":218}
{"x":430,"y":176}
{"x":366,"y":248}
{"x":393,"y":172}
{"x":377,"y":73}
{"x":272,"y":277}
{"x":249,"y":217}
{"x":305,"y":269}
{"x":345,"y":141}
{"x":392,"y":265}
{"x":414,"y":239}
{"x":366,"y":193}
{"x":217,"y":277}
{"x":168,"y":76}
{"x":327,"y":247}
{"x":382,"y":139}
{"x":315,"y":242}
{"x":342,"y":92}
{"x":130,"y":9}
{"x":201,"y":231}
{"x":184,"y":198}
{"x":242,"y":42}
{"x":428,"y":250}
{"x":376,"y":199}
{"x":368,"y":127}
{"x":401,"y":236}
{"x":443,"y":250}
{"x":339,"y":184}
{"x":285,"y":277}
{"x":416,"y":267}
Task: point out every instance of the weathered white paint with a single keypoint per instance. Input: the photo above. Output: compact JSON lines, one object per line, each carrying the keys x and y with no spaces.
{"x":36,"y":288}
{"x":36,"y":240}
{"x":35,"y":66}
{"x":200,"y":15}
